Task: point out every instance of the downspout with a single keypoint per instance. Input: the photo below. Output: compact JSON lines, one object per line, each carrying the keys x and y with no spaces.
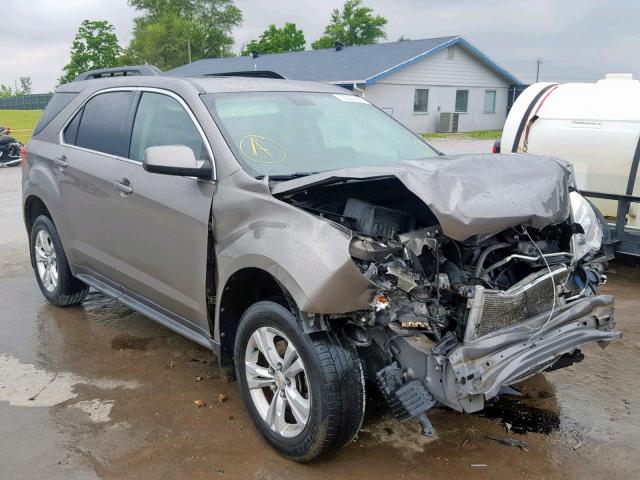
{"x":359,"y":90}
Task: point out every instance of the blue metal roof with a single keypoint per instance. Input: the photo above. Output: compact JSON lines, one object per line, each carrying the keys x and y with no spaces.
{"x":363,"y":63}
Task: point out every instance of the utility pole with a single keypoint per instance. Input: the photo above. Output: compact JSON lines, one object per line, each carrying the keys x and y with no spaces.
{"x":538,"y":63}
{"x":189,"y":49}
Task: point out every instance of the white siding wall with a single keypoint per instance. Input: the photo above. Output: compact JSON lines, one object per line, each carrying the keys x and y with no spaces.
{"x":442,"y":77}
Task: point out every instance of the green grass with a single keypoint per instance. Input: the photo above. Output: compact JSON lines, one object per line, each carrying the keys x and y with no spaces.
{"x":477,"y":134}
{"x":22,"y":122}
{"x":485,"y":134}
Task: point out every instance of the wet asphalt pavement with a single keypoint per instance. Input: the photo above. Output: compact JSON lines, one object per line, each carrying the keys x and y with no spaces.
{"x":100,"y":391}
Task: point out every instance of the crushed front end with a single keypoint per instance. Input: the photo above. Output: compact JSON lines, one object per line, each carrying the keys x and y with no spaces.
{"x":458,"y":317}
{"x":467,"y":319}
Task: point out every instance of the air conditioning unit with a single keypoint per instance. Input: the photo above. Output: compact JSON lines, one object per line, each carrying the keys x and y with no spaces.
{"x":448,"y":122}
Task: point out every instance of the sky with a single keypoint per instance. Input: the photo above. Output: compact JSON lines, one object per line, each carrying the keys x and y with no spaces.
{"x":577,"y":40}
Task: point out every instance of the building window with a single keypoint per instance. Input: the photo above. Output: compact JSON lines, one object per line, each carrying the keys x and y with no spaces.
{"x":462,"y":100}
{"x":421,"y":100}
{"x":490,"y":101}
{"x":451,"y":52}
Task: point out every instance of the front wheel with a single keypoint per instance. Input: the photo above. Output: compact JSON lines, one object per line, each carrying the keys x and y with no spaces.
{"x":305,"y":393}
{"x":50,"y":265}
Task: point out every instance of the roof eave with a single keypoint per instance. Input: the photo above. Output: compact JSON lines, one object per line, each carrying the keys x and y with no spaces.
{"x":454,"y":41}
{"x":345,"y":82}
{"x":490,"y":62}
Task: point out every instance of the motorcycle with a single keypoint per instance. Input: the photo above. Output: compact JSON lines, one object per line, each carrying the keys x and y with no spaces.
{"x":10,"y":148}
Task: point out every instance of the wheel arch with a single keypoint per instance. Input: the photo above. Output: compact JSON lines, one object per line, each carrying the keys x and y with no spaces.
{"x":242,"y":289}
{"x":34,"y":206}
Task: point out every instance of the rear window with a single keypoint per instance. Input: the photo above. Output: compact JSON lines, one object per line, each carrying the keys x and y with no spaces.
{"x":54,"y":107}
{"x":104,"y":126}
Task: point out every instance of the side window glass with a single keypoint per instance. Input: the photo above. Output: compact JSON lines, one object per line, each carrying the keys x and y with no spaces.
{"x":161,"y":120}
{"x":104,"y":125}
{"x":70,"y":133}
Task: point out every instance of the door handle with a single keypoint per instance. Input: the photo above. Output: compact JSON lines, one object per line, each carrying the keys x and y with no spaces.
{"x":123,"y":186}
{"x":61,"y":161}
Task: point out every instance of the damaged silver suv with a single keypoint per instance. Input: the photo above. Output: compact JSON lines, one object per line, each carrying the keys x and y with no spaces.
{"x":314,"y":244}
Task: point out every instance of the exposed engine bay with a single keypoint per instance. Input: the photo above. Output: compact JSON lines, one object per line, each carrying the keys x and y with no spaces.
{"x":440,"y":300}
{"x":428,"y":281}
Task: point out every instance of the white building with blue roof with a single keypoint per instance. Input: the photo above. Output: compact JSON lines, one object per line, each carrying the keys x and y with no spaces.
{"x":435,"y":84}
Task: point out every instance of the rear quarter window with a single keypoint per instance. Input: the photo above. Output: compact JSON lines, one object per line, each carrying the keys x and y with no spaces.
{"x":70,"y":134}
{"x":54,"y":107}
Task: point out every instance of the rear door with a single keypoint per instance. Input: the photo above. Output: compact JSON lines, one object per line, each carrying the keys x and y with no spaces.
{"x":160,"y":226}
{"x":93,"y":140}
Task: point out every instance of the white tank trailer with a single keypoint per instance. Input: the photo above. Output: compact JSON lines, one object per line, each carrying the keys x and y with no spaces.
{"x":596,"y":127}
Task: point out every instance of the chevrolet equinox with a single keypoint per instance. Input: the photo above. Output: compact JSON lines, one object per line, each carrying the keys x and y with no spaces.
{"x":314,"y":244}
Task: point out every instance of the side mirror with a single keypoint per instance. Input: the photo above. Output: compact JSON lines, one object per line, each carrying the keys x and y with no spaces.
{"x":175,"y":160}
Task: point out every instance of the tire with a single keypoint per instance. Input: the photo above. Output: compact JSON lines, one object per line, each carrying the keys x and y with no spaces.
{"x":63,"y":290}
{"x":331,"y":377}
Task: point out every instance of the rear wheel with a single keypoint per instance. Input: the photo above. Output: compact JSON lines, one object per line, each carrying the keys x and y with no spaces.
{"x":50,"y":265}
{"x":305,"y":393}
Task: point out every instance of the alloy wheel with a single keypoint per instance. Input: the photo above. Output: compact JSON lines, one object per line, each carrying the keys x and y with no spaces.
{"x":46,"y":261}
{"x":277,"y":381}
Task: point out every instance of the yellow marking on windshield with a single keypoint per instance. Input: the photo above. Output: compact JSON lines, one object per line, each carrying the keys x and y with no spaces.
{"x":260,"y":149}
{"x":255,"y":146}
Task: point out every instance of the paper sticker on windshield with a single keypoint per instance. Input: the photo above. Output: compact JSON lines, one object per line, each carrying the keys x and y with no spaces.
{"x":259,"y":149}
{"x":349,"y":98}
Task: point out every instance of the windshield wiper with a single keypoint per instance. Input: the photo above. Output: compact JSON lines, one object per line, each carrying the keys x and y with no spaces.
{"x":287,"y":176}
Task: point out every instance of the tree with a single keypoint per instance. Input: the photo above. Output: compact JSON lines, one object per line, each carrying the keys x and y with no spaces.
{"x":170,"y":33}
{"x":95,"y":46}
{"x":25,"y":85}
{"x":164,"y":42}
{"x":355,"y":25}
{"x":5,"y":91}
{"x":277,"y":40}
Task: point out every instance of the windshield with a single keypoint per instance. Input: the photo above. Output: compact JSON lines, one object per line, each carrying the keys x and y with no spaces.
{"x":298,"y":133}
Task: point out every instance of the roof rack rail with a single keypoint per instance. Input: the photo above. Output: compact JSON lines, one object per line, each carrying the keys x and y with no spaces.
{"x":127,"y":71}
{"x":249,"y":73}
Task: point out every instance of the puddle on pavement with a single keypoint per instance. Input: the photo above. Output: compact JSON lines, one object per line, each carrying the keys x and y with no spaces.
{"x":523,"y":418}
{"x":130,"y":342}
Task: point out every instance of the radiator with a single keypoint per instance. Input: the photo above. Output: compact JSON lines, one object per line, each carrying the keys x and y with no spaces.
{"x":491,"y":310}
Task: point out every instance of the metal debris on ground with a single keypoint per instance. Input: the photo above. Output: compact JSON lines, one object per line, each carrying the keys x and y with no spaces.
{"x":198,"y":378}
{"x":512,"y":442}
{"x":200,"y":403}
{"x":577,"y":446}
{"x":478,"y":465}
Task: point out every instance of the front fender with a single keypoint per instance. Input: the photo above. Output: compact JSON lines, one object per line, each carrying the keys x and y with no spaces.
{"x":307,"y":255}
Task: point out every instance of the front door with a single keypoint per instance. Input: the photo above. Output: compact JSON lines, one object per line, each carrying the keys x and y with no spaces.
{"x":161,"y":222}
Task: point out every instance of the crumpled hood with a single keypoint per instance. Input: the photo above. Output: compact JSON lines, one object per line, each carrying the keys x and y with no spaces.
{"x":472,"y":194}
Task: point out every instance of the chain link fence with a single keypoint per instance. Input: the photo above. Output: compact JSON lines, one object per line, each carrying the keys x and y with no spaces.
{"x":26,"y":102}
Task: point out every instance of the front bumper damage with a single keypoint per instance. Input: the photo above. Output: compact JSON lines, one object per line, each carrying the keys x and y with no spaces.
{"x":475,"y":371}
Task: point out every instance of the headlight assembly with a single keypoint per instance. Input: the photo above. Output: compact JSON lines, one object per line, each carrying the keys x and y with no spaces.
{"x":582,"y":213}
